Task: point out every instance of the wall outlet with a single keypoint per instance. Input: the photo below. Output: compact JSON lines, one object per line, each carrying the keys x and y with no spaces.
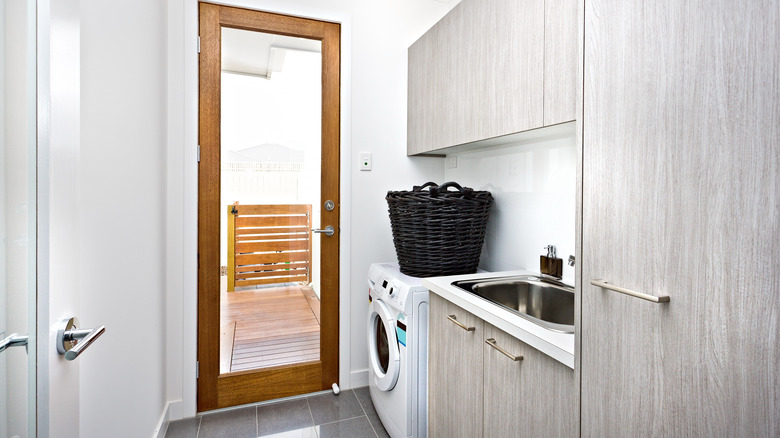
{"x":365,"y":161}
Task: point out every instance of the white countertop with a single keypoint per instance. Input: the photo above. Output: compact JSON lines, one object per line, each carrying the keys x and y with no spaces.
{"x":559,"y":346}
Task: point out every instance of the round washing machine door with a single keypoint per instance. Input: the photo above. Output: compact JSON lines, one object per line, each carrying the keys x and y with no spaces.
{"x":383,"y":354}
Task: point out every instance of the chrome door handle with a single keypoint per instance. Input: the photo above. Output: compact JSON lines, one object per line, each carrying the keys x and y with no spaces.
{"x":71,"y":341}
{"x":15,"y":340}
{"x":328,"y":231}
{"x":605,"y":285}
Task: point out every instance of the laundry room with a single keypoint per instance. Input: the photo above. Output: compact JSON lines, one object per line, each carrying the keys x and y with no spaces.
{"x":618,"y":161}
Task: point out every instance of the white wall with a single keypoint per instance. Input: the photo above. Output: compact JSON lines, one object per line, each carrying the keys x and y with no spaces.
{"x":122,"y":210}
{"x":533,"y":183}
{"x":375,"y":38}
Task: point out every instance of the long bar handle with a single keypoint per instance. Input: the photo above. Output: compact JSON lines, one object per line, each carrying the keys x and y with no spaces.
{"x":328,"y":231}
{"x":651,"y":298}
{"x":15,"y":340}
{"x":453,"y":319}
{"x":84,"y":338}
{"x":492,"y":343}
{"x":72,"y":341}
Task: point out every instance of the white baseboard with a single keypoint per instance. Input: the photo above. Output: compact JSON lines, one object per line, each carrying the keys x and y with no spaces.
{"x":162,"y":425}
{"x":358,"y":378}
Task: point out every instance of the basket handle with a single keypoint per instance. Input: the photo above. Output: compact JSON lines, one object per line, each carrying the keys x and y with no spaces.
{"x":468,"y":193}
{"x":420,"y":188}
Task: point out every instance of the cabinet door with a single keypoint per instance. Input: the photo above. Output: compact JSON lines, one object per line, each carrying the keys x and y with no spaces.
{"x":535,"y":395}
{"x":454,"y":372}
{"x":680,"y":198}
{"x":560,"y":61}
{"x":477,"y":74}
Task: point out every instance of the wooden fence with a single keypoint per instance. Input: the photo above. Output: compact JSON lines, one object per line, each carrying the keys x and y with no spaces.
{"x":268,"y":244}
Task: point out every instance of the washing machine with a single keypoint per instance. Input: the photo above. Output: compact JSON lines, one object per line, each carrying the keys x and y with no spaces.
{"x":398,"y":350}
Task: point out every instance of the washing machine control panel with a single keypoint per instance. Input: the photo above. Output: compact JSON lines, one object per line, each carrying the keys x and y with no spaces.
{"x":387,"y":283}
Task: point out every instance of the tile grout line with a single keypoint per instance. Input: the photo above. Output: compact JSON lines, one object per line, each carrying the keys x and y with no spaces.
{"x":312,"y":417}
{"x":366,"y":414}
{"x":197,"y":432}
{"x":257,"y":421}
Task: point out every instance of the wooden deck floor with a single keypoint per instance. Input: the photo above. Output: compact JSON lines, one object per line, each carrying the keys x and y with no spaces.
{"x":271,"y":327}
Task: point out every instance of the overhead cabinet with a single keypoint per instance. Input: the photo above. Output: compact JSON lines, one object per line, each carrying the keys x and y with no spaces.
{"x":491,"y":68}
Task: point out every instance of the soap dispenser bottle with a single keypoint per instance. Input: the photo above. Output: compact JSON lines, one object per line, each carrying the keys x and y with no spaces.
{"x":550,"y":264}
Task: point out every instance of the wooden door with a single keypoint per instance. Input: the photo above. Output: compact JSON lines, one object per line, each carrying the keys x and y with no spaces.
{"x":454,"y":371}
{"x":680,"y":198}
{"x":217,"y":390}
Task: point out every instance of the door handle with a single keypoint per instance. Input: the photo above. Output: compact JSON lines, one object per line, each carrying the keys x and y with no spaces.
{"x":603,"y":284}
{"x":328,"y":231}
{"x":15,"y":340}
{"x":71,"y":341}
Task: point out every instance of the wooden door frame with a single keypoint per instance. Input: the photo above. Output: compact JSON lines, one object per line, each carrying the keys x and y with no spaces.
{"x":218,"y":391}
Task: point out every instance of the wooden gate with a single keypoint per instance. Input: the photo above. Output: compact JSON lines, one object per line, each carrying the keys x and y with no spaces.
{"x":268,"y":244}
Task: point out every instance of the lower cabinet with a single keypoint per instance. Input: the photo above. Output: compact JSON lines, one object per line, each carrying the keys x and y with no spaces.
{"x":485,"y":382}
{"x":454,"y":371}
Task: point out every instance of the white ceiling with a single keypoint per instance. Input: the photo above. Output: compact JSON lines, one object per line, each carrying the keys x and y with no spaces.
{"x":259,"y":54}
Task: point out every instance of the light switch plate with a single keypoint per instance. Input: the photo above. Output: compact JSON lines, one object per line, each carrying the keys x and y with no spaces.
{"x":365,"y":161}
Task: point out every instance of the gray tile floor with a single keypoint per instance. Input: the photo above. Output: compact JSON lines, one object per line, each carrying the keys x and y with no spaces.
{"x":349,"y":414}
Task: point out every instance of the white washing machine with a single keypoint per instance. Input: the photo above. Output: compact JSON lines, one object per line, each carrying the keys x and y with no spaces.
{"x":398,"y":350}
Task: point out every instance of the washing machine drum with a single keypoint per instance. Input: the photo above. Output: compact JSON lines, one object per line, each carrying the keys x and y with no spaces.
{"x":383,"y":346}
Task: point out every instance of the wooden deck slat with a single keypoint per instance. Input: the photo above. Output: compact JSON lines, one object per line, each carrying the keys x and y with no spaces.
{"x":271,"y":221}
{"x":272,"y":245}
{"x":272,"y":209}
{"x":275,"y":280}
{"x":273,"y":327}
{"x":256,"y":259}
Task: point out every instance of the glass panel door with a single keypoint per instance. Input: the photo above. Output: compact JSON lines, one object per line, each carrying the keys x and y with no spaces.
{"x":271,"y":100}
{"x":17,"y":218}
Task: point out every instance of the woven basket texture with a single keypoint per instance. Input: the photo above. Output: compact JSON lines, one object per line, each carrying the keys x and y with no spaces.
{"x":438,"y":231}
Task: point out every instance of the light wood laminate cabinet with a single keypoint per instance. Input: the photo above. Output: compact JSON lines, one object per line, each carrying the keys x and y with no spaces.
{"x":475,"y":390}
{"x":560,"y":61}
{"x":491,"y":68}
{"x":535,"y":395}
{"x":680,"y":198}
{"x":455,"y":372}
{"x":478,"y":73}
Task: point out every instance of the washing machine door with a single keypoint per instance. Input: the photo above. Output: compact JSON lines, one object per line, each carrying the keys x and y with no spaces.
{"x":383,"y":354}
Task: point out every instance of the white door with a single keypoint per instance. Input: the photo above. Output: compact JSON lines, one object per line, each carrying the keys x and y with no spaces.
{"x":58,"y":218}
{"x":17,"y":218}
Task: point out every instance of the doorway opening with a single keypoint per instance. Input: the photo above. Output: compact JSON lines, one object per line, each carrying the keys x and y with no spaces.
{"x":268,"y":186}
{"x":271,"y":111}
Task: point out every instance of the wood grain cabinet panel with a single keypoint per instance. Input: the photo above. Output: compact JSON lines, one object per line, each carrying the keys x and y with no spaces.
{"x":477,"y":74}
{"x":475,"y":390}
{"x":454,"y":372}
{"x":680,"y":198}
{"x":560,"y":61}
{"x":535,"y":395}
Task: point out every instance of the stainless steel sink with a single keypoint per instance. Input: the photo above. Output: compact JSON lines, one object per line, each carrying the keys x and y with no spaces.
{"x":546,"y":302}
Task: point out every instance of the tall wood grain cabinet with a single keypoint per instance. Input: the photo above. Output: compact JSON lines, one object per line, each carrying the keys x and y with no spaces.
{"x":680,"y":198}
{"x":491,"y":68}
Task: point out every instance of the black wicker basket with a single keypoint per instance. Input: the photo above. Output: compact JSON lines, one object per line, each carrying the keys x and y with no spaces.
{"x":438,"y":231}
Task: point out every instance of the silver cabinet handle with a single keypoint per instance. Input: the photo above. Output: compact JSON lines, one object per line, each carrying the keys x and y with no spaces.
{"x":605,"y":285}
{"x":71,"y":341}
{"x":453,"y":319}
{"x":492,"y":343}
{"x":328,"y":231}
{"x":15,"y":340}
